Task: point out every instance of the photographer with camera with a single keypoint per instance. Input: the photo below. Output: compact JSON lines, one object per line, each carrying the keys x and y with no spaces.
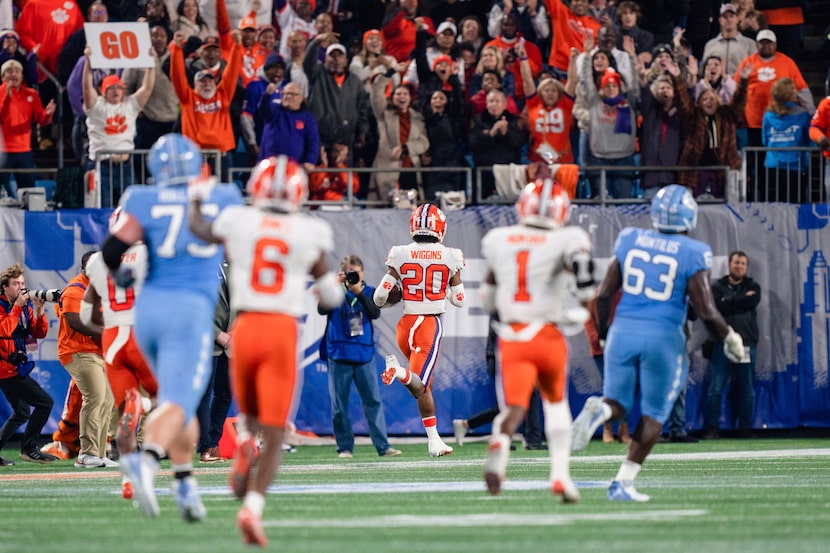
{"x":22,"y":322}
{"x":348,"y":347}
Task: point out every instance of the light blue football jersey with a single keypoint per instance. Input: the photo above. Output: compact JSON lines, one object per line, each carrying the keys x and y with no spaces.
{"x":178,"y":260}
{"x":656,"y":268}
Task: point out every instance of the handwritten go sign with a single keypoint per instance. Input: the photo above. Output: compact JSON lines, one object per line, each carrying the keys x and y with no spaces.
{"x":119,"y":45}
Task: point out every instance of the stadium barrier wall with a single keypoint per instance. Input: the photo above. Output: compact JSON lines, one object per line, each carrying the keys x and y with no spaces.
{"x":785,"y":244}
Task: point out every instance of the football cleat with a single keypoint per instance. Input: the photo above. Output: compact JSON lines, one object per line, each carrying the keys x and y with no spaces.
{"x":495,"y":465}
{"x":391,"y":371}
{"x":623,"y":490}
{"x":246,"y":453}
{"x":586,"y":423}
{"x":437,"y":448}
{"x":251,"y":527}
{"x":59,"y":450}
{"x":566,"y":490}
{"x":140,"y":469}
{"x":126,"y":488}
{"x":188,"y":500}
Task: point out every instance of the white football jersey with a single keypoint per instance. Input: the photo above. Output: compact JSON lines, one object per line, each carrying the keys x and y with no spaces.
{"x":270,"y":256}
{"x":425,"y":270}
{"x":532,"y":267}
{"x":117,"y":303}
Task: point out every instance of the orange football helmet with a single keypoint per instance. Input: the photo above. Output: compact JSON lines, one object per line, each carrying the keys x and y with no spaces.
{"x":544,"y":203}
{"x":428,"y":220}
{"x":278,"y":182}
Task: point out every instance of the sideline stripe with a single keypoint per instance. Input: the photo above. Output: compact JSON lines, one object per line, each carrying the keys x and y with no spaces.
{"x":485,"y":519}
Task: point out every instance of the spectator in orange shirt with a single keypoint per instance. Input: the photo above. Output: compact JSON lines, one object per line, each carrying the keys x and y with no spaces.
{"x":400,"y":23}
{"x":568,"y":27}
{"x":206,"y":116}
{"x":332,"y":186}
{"x":820,"y":134}
{"x":769,"y":66}
{"x":508,"y":42}
{"x":19,"y":107}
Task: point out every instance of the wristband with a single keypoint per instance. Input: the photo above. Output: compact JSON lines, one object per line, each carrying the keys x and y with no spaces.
{"x":522,"y":58}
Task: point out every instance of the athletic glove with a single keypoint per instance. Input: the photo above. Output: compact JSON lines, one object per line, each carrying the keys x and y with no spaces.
{"x":733,"y":346}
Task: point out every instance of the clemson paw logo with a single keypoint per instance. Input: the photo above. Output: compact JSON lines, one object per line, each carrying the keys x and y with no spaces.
{"x":459,"y":297}
{"x":116,"y":124}
{"x":60,"y":15}
{"x":387,"y":285}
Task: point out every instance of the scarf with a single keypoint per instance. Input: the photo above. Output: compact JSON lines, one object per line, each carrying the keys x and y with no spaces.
{"x":623,"y":123}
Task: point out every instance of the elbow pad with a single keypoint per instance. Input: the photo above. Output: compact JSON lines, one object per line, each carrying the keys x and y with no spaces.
{"x":86,"y":313}
{"x":329,"y":292}
{"x":488,"y":297}
{"x":583,"y":269}
{"x":456,"y":295}
{"x":112,"y":250}
{"x":382,"y":291}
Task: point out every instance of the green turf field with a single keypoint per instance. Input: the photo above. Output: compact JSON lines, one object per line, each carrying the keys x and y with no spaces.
{"x":765,"y":495}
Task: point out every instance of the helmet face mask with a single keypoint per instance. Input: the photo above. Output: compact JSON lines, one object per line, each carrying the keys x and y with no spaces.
{"x":673,"y":209}
{"x":428,"y":220}
{"x":174,"y":159}
{"x":278,"y":183}
{"x":544,"y":204}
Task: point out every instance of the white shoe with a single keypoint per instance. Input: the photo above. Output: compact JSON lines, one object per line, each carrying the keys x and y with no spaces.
{"x":109,"y":463}
{"x":460,"y":431}
{"x":391,"y":371}
{"x":623,"y":490}
{"x":140,"y":469}
{"x":345,"y":455}
{"x":495,"y":465}
{"x":86,"y":461}
{"x":566,"y":489}
{"x":188,"y":500}
{"x":437,"y":448}
{"x":586,"y":423}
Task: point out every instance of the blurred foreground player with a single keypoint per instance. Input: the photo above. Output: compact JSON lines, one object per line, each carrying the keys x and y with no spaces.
{"x":173,"y":314}
{"x":272,"y":250}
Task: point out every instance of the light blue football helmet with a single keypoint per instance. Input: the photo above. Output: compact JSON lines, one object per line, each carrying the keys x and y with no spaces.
{"x":673,"y":209}
{"x":174,"y":159}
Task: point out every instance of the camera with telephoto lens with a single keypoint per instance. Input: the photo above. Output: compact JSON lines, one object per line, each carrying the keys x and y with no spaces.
{"x":52,"y":294}
{"x":352,"y":277}
{"x":17,"y":358}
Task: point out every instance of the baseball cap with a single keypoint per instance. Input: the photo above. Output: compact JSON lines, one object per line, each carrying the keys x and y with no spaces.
{"x":247,"y":23}
{"x":273,"y":59}
{"x":204,"y":74}
{"x":445,"y":26}
{"x":661,"y":49}
{"x":728,"y":8}
{"x":10,"y":63}
{"x":109,"y":81}
{"x":211,"y":41}
{"x":766,"y":34}
{"x":334,"y":47}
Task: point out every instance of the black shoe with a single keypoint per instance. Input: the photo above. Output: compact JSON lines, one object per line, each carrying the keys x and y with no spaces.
{"x":710,"y":434}
{"x":6,"y":462}
{"x":536,"y":447}
{"x":683,"y":439}
{"x":512,"y":447}
{"x":37,"y":456}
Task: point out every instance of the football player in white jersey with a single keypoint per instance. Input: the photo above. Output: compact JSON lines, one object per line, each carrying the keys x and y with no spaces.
{"x":428,"y":273}
{"x":272,"y":250}
{"x":125,"y":365}
{"x":531,"y":266}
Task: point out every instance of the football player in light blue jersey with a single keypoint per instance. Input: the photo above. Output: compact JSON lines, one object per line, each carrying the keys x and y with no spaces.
{"x":174,"y":313}
{"x":659,"y":270}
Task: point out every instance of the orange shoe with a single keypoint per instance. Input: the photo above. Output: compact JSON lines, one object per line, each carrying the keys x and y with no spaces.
{"x":251,"y":527}
{"x":246,"y":453}
{"x":126,"y":489}
{"x":59,"y":450}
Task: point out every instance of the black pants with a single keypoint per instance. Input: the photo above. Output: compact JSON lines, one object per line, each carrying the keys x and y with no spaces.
{"x":23,"y":393}
{"x":213,"y":409}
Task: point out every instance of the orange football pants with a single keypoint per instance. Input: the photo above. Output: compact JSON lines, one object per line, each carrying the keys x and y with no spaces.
{"x":125,"y":364}
{"x":264,"y":365}
{"x":419,"y":337}
{"x":542,"y":359}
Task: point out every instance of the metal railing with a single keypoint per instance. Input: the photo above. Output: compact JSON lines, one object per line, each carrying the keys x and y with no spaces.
{"x":802,"y":181}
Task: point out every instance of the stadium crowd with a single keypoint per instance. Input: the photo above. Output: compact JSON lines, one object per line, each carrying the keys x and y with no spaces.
{"x":403,"y":84}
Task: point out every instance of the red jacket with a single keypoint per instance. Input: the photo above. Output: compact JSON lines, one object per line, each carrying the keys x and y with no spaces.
{"x":10,"y":318}
{"x":17,"y":112}
{"x":48,"y":23}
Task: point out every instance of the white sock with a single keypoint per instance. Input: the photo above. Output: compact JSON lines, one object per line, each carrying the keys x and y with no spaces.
{"x":255,"y":502}
{"x":558,"y":431}
{"x":628,"y":471}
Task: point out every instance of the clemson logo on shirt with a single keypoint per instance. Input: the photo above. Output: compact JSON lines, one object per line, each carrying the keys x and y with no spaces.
{"x":299,"y":125}
{"x":766,"y":74}
{"x":61,"y":15}
{"x":116,"y":124}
